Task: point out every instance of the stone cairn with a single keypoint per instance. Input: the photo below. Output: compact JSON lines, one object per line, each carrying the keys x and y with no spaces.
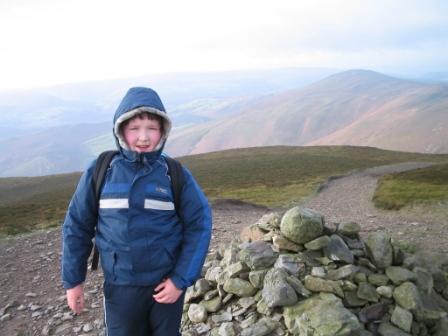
{"x":297,"y":275}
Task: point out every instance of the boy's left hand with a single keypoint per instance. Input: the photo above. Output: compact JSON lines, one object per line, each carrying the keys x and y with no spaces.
{"x":167,"y":292}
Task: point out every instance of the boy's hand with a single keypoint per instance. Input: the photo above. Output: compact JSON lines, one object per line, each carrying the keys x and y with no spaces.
{"x":75,"y":299}
{"x":167,"y":292}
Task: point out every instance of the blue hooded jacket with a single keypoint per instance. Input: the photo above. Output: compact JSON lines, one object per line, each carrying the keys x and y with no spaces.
{"x":141,"y":237}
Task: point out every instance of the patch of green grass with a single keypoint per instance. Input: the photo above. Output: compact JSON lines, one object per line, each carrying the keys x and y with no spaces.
{"x":278,"y":176}
{"x":419,"y":186}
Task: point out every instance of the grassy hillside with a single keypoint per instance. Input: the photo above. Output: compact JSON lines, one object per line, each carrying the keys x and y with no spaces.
{"x":282,"y":175}
{"x":273,"y":176}
{"x":418,"y":186}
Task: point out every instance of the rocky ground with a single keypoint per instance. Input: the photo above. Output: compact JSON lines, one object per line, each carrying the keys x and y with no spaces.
{"x":32,"y":300}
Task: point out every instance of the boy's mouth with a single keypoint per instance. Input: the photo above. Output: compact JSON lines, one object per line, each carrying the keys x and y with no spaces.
{"x":143,"y":148}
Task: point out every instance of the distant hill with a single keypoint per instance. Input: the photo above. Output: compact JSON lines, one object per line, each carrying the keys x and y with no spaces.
{"x":356,"y":107}
{"x":272,"y":176}
{"x":222,"y":111}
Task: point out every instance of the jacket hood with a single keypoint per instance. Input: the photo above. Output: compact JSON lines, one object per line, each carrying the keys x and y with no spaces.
{"x":138,"y":100}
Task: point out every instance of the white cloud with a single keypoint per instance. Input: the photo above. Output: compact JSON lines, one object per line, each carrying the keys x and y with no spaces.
{"x":52,"y":41}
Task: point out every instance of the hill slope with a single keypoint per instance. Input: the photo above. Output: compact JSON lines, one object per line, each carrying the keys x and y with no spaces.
{"x":271,"y":176}
{"x":356,"y":107}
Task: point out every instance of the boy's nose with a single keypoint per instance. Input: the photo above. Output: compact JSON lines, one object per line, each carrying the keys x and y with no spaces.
{"x":143,"y":135}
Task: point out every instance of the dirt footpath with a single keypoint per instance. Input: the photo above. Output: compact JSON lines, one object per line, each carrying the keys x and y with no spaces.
{"x":349,"y":199}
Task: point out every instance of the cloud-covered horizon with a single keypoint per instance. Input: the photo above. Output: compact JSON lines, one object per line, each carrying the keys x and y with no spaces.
{"x":57,"y":41}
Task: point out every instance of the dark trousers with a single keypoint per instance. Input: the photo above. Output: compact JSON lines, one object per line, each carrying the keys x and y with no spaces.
{"x":132,"y":311}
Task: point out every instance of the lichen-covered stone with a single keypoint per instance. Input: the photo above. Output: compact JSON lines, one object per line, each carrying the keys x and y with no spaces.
{"x":301,"y":225}
{"x":239,"y":287}
{"x":256,"y":278}
{"x":398,"y":274}
{"x":378,"y":279}
{"x":407,"y":296}
{"x":213,"y":305}
{"x":402,"y":318}
{"x":367,"y":292}
{"x":276,"y":289}
{"x":320,"y":285}
{"x":387,"y":329}
{"x":264,"y":326}
{"x":322,"y":315}
{"x":318,"y":243}
{"x":424,"y":280}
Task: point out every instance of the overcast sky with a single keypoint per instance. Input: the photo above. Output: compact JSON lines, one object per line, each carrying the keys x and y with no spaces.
{"x":46,"y":42}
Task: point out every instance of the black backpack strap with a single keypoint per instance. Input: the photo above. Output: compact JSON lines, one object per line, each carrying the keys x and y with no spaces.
{"x":177,"y":179}
{"x":102,"y":164}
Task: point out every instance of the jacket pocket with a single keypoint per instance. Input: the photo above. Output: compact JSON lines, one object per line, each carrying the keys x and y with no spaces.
{"x":108,"y":262}
{"x":152,"y":260}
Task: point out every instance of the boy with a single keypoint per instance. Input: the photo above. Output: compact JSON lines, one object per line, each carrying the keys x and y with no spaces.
{"x":150,"y":252}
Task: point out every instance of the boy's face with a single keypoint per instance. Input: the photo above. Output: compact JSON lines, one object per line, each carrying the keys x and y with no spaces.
{"x":142,"y":135}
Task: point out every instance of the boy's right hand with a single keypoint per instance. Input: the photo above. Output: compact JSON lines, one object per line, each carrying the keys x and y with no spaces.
{"x":75,"y":299}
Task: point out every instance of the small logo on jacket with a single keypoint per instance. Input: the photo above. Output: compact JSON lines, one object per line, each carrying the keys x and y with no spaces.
{"x":162,"y":190}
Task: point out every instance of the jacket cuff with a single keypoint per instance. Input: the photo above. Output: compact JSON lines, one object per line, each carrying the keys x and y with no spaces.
{"x":68,"y":285}
{"x":178,"y":282}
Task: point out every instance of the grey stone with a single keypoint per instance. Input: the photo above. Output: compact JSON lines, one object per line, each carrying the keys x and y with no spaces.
{"x":301,"y":225}
{"x":269,"y":221}
{"x":258,"y":255}
{"x":291,"y":263}
{"x":226,"y":329}
{"x":367,"y":292}
{"x":223,"y":317}
{"x":349,"y":229}
{"x":387,"y":329}
{"x":319,"y":272}
{"x":236,"y":269}
{"x":262,"y":327}
{"x":197,"y":313}
{"x":297,"y":285}
{"x":276,"y":290}
{"x":398,"y":274}
{"x":385,"y":291}
{"x":424,"y":280}
{"x":379,"y":249}
{"x":402,"y":318}
{"x":351,"y":300}
{"x":343,"y":272}
{"x":318,"y":243}
{"x":373,"y":312}
{"x":282,"y":243}
{"x":338,"y":250}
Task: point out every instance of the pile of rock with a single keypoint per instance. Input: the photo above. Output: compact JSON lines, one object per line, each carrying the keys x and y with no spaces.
{"x":297,"y":275}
